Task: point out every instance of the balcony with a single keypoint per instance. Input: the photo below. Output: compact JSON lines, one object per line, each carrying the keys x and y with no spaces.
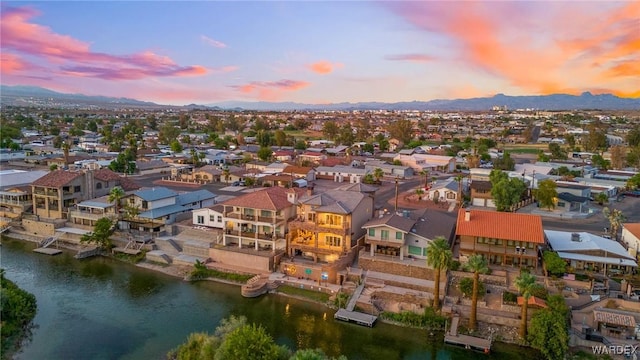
{"x":89,"y":215}
{"x":264,"y":219}
{"x":252,"y":235}
{"x":383,"y":242}
{"x":342,"y":230}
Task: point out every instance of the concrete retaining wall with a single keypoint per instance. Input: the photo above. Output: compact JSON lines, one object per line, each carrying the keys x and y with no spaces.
{"x":498,"y":320}
{"x":398,"y":269}
{"x":38,"y":227}
{"x":487,"y":279}
{"x":249,"y":261}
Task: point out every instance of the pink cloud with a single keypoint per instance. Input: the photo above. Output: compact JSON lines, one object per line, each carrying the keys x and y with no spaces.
{"x":12,"y":64}
{"x":411,"y":57}
{"x":212,"y":42}
{"x":551,"y":49}
{"x":75,"y":57}
{"x":324,"y":67}
{"x":271,"y":90}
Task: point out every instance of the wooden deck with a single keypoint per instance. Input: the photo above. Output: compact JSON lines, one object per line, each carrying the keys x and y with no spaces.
{"x":356,"y":317}
{"x":47,"y":251}
{"x":468,"y":342}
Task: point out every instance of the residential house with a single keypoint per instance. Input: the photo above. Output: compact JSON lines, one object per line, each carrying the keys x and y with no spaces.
{"x":259,"y":220}
{"x":87,"y":213}
{"x":481,"y":194}
{"x":569,"y":202}
{"x":631,"y":238}
{"x":161,"y":206}
{"x":507,"y":239}
{"x":419,"y":162}
{"x":586,"y":251}
{"x":407,"y":235}
{"x":283,"y":155}
{"x":389,"y":170}
{"x":311,"y":157}
{"x":203,"y":175}
{"x":55,"y":193}
{"x":324,"y":238}
{"x":211,"y":217}
{"x":15,"y":191}
{"x":301,"y":172}
{"x":155,"y":166}
{"x":445,"y":190}
{"x":340,"y":173}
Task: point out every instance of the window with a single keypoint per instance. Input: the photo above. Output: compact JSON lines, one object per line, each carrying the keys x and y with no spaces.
{"x":384,"y":234}
{"x":398,"y":235}
{"x":200,"y":219}
{"x":415,"y":250}
{"x":219,"y":218}
{"x":76,"y":188}
{"x":98,"y":185}
{"x":332,"y":240}
{"x":145,"y":204}
{"x":334,"y":219}
{"x":265,"y":213}
{"x":372,"y":232}
{"x":132,"y":201}
{"x":212,"y":218}
{"x":451,"y":195}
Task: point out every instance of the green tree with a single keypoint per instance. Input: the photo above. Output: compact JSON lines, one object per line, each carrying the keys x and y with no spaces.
{"x":101,"y":235}
{"x":616,"y":218}
{"x":557,"y":152}
{"x":280,"y":138}
{"x":115,"y":195}
{"x":330,"y":129}
{"x":546,"y":193}
{"x":553,"y":263}
{"x":249,"y":342}
{"x":347,"y":137}
{"x":378,"y":174}
{"x":633,"y":182}
{"x":168,"y":132}
{"x":439,"y":258}
{"x":505,"y":191}
{"x":618,"y":156}
{"x":601,"y":198}
{"x":17,"y":309}
{"x":600,"y":162}
{"x":226,"y":175}
{"x":313,"y":354}
{"x":401,"y":129}
{"x":477,"y":264}
{"x":175,"y":146}
{"x":549,"y":331}
{"x":525,"y":283}
{"x":264,"y":153}
{"x":633,"y":137}
{"x":505,"y":162}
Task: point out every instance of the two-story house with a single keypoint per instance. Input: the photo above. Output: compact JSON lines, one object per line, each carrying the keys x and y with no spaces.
{"x":507,"y":239}
{"x":160,"y":206}
{"x":324,"y":238}
{"x":55,"y":193}
{"x":407,"y":235}
{"x":631,"y":238}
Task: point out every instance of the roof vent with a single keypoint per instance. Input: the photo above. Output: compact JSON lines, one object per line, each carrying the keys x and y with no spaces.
{"x":575,"y":237}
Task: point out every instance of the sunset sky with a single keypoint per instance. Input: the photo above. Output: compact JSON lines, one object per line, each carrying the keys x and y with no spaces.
{"x":321,"y":52}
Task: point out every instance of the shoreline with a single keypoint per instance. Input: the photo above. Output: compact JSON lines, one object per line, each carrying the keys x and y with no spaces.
{"x":182,"y":271}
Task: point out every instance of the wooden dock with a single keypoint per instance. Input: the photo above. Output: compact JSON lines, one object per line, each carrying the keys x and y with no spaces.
{"x":356,"y":317}
{"x":468,"y":342}
{"x":47,"y":251}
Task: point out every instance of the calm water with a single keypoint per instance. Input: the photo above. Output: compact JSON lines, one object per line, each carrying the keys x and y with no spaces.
{"x":103,"y":309}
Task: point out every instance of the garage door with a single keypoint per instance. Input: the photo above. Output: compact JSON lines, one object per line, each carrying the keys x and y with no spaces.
{"x":478,"y":202}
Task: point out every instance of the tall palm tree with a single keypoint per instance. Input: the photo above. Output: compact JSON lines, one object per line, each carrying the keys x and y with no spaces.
{"x":115,"y":195}
{"x":458,"y":179}
{"x":616,"y":218}
{"x":226,"y":174}
{"x":478,"y":265}
{"x":526,"y":283}
{"x":425,"y":173}
{"x":439,"y":257}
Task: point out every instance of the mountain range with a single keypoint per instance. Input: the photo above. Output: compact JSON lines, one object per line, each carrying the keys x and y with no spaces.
{"x":25,"y":95}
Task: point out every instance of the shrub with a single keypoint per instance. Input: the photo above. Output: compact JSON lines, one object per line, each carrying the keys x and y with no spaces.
{"x":509,"y":298}
{"x":455,"y":265}
{"x":466,"y":287}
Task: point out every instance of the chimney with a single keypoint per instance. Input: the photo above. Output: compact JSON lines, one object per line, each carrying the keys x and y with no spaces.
{"x":575,"y":237}
{"x":292,"y":196}
{"x":310,"y":190}
{"x":467,"y":215}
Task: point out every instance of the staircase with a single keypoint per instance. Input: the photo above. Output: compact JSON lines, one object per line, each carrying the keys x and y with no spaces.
{"x":48,"y":241}
{"x":175,"y":245}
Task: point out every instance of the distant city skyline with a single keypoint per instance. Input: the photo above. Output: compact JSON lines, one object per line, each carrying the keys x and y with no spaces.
{"x":321,"y":52}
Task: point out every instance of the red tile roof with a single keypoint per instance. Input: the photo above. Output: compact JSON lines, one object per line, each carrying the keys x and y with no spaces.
{"x":57,"y":178}
{"x":501,"y":225}
{"x":106,"y":175}
{"x":633,"y":228}
{"x":273,"y":198}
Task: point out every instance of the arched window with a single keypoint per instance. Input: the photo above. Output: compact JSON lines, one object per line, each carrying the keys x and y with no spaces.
{"x":99,"y":185}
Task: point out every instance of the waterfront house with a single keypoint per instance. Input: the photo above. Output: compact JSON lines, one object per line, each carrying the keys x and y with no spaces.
{"x":324,"y":238}
{"x":586,"y":251}
{"x":211,"y":217}
{"x":503,"y":238}
{"x":631,"y":238}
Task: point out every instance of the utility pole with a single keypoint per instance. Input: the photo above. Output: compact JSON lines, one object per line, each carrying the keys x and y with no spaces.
{"x":396,"y":194}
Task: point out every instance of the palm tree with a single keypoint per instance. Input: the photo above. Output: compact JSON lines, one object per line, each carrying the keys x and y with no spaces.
{"x":616,"y":218}
{"x":439,"y":257}
{"x":114,"y":196}
{"x":378,"y":173}
{"x":458,"y":179}
{"x":65,"y":149}
{"x":477,"y":264}
{"x":525,"y":283}
{"x":425,"y":173}
{"x":419,"y":192}
{"x":226,"y":174}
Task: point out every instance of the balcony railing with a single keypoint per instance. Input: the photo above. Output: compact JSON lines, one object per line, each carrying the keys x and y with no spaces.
{"x":89,"y":215}
{"x":252,"y":235}
{"x":343,"y":229}
{"x":265,"y":219}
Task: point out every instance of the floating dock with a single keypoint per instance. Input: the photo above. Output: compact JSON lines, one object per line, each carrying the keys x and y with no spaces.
{"x":468,"y":342}
{"x":356,"y":317}
{"x":47,"y":251}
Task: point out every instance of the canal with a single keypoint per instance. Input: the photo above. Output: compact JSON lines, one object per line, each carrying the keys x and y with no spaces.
{"x":104,"y":309}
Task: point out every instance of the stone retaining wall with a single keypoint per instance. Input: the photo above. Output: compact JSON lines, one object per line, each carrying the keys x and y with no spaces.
{"x":39,"y":228}
{"x":487,"y":279}
{"x":398,"y":269}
